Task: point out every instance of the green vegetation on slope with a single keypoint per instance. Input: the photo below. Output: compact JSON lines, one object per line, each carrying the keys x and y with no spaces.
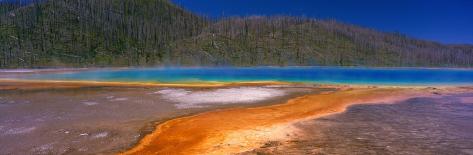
{"x":155,"y":32}
{"x":301,"y":41}
{"x":91,"y":32}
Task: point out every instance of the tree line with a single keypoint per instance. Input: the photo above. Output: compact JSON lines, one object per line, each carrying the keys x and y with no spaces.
{"x":91,"y":32}
{"x":79,"y":33}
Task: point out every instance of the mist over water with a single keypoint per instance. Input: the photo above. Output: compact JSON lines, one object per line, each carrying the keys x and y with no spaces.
{"x":331,"y":75}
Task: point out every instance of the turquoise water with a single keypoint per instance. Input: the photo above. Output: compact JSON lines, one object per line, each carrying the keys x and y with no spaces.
{"x":330,"y":75}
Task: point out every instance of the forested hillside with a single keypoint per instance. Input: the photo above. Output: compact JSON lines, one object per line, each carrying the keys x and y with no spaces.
{"x":301,"y":41}
{"x":92,"y":32}
{"x":80,"y":33}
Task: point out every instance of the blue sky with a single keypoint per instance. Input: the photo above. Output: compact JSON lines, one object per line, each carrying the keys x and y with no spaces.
{"x":447,"y":21}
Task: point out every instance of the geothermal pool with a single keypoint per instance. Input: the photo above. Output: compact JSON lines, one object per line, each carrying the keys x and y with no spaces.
{"x":328,"y":75}
{"x":50,"y":112}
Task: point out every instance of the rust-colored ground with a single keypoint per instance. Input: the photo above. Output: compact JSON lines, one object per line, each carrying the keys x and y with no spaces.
{"x":14,"y":84}
{"x":242,"y":129}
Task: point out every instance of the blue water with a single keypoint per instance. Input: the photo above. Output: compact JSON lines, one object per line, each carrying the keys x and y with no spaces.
{"x":328,"y":75}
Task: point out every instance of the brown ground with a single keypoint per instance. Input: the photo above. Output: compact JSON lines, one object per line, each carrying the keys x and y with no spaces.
{"x":439,"y":124}
{"x":59,"y":117}
{"x":242,"y":129}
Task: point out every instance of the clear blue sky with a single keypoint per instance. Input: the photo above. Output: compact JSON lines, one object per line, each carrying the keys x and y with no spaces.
{"x":447,"y":21}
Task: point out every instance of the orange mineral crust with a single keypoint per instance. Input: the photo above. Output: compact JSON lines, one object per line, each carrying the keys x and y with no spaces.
{"x":15,"y":84}
{"x":242,"y":129}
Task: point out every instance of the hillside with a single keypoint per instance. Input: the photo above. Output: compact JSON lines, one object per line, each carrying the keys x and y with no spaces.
{"x":78,"y":33}
{"x":300,"y":41}
{"x":92,"y":33}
